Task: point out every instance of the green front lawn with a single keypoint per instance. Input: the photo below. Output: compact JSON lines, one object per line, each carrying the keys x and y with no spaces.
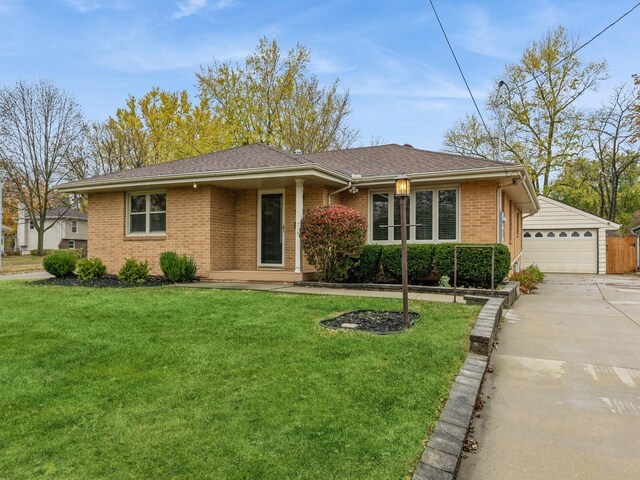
{"x":193,"y":384}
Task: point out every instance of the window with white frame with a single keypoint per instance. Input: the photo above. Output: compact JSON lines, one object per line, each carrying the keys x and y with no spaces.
{"x":434,"y":214}
{"x":31,"y":225}
{"x":147,"y":213}
{"x":72,"y":244}
{"x":74,"y":226}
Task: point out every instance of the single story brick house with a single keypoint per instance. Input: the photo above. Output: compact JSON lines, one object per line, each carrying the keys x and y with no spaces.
{"x":237,"y":211}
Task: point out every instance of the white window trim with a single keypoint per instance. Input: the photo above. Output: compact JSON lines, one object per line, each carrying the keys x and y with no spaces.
{"x":412,"y":220}
{"x":147,"y":233}
{"x":72,"y":244}
{"x":74,"y":226}
{"x":259,"y":222}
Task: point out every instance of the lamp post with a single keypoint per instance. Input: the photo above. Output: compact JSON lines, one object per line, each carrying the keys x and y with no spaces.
{"x":403,"y":191}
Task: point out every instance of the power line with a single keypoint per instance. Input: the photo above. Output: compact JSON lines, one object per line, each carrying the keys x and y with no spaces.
{"x":563,"y":59}
{"x":459,"y":67}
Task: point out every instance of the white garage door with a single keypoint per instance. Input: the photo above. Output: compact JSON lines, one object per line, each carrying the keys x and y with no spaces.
{"x":569,"y":251}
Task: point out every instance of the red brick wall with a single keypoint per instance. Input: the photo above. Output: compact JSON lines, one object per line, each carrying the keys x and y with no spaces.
{"x":188,"y":229}
{"x":246,"y":246}
{"x":223,"y":229}
{"x":478,"y":212}
{"x":218,"y":227}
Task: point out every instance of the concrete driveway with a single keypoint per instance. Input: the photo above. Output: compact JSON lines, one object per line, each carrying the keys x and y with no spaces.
{"x":563,"y":401}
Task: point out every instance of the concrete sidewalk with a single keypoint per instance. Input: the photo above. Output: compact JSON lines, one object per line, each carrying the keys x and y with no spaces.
{"x":563,"y":401}
{"x":26,"y":276}
{"x":346,"y":292}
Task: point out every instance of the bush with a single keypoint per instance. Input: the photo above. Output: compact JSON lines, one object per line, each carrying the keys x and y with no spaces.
{"x":538,"y":276}
{"x":419,"y":262}
{"x":134,"y":271}
{"x":60,"y":263}
{"x":474,"y":265}
{"x":332,"y":237}
{"x":528,"y":278}
{"x":90,"y":269}
{"x":366,"y":268}
{"x":178,"y":268}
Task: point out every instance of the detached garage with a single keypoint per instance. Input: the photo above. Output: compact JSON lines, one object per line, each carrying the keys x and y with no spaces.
{"x":564,"y":239}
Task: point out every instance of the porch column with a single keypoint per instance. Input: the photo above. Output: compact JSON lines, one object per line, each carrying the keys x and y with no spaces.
{"x":299,"y":205}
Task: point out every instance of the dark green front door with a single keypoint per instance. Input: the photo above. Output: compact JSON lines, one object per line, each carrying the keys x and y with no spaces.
{"x":271,"y":229}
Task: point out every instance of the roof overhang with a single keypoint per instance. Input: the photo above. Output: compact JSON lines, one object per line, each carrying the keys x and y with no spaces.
{"x":513,"y":179}
{"x":271,"y":177}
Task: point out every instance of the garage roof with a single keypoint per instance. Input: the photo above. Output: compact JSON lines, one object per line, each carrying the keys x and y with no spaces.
{"x":555,"y":214}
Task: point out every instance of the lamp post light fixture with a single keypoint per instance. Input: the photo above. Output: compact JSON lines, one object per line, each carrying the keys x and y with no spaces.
{"x":403,"y":191}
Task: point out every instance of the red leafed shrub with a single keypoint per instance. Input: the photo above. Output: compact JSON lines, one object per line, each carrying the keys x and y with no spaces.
{"x":332,"y":237}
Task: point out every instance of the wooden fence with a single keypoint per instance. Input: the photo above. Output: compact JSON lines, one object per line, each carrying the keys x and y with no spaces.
{"x":622,"y":254}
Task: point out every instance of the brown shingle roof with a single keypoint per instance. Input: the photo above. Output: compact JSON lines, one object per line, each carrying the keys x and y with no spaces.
{"x":374,"y":161}
{"x":394,"y":159}
{"x":238,"y":158}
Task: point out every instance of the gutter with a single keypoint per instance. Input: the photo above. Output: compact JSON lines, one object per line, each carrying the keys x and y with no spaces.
{"x":338,"y":191}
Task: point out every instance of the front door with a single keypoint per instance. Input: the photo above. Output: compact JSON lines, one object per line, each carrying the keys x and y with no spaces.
{"x":271,"y":228}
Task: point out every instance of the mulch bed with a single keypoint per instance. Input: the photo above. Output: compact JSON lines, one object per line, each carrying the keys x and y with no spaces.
{"x":109,"y":281}
{"x":374,"y":321}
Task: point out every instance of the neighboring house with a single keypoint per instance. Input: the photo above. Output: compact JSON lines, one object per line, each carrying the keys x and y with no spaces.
{"x":68,"y":231}
{"x":5,"y":231}
{"x":237,"y":212}
{"x":562,"y":238}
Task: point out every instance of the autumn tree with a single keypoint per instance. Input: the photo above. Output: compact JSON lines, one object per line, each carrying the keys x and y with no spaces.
{"x":543,"y":127}
{"x":272,"y":99}
{"x":610,"y":165}
{"x":41,"y":133}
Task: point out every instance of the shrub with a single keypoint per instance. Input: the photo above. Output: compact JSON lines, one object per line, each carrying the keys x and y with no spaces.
{"x":474,"y":265}
{"x":538,"y":276}
{"x":178,"y":268}
{"x":332,"y":237}
{"x":134,"y":271}
{"x":60,"y":263}
{"x":419,"y":262}
{"x":366,"y":268}
{"x":528,"y":278}
{"x":90,"y":269}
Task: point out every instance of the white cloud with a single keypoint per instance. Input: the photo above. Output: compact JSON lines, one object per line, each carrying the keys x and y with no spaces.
{"x":138,"y":49}
{"x":85,"y":6}
{"x":190,"y":7}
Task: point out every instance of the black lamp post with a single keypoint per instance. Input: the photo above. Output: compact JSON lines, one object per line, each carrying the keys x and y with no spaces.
{"x":403,"y":191}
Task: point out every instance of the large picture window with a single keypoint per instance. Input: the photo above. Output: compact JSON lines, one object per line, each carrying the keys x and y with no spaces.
{"x":147,"y":213}
{"x":434,"y":214}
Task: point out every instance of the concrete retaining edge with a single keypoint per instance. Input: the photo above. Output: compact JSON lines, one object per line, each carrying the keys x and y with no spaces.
{"x":509,"y":291}
{"x":441,"y":457}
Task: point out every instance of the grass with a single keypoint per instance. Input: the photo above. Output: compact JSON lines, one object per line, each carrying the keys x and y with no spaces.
{"x":21,"y":264}
{"x":192,"y":384}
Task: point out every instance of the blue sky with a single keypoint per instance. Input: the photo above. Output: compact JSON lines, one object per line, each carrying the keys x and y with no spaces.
{"x":391,"y":56}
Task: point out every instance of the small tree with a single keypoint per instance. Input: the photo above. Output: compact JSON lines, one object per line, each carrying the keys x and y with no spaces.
{"x":332,"y":237}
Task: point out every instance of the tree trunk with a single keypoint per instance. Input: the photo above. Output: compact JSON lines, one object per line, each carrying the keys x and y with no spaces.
{"x":614,"y":200}
{"x":41,"y":239}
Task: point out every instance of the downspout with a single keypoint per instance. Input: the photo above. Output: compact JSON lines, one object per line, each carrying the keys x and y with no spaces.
{"x":340,"y":190}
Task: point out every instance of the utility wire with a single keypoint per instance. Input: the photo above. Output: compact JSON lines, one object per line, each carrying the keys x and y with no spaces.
{"x":459,"y":67}
{"x":563,"y":59}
